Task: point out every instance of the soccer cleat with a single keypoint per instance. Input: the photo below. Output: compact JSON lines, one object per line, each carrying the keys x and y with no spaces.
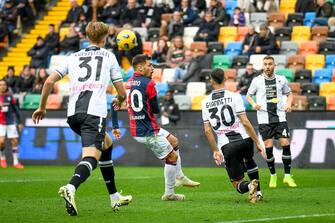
{"x":18,"y":166}
{"x":186,"y":182}
{"x":3,"y":164}
{"x":253,"y":191}
{"x":259,"y":196}
{"x":289,"y":181}
{"x":123,"y":200}
{"x":70,"y":203}
{"x":273,"y":181}
{"x":173,"y":197}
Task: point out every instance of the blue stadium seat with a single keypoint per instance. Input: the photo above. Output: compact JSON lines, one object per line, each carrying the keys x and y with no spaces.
{"x":109,"y":100}
{"x":162,"y":88}
{"x":322,"y":75}
{"x":230,"y":6}
{"x":309,"y":18}
{"x":330,"y":61}
{"x":233,"y":49}
{"x":128,"y":74}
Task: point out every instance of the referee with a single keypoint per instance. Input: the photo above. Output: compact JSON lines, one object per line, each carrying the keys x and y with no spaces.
{"x":271,"y":107}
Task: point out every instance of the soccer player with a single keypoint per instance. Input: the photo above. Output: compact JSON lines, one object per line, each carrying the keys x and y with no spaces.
{"x":270,"y":89}
{"x":90,"y":70}
{"x":223,"y":111}
{"x":8,"y":107}
{"x":142,"y":107}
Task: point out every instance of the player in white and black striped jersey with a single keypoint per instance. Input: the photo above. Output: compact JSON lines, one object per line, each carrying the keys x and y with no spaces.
{"x":224,"y":112}
{"x":90,"y":71}
{"x":270,"y":90}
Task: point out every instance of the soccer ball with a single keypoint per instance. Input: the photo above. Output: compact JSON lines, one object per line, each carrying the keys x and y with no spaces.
{"x":126,"y":40}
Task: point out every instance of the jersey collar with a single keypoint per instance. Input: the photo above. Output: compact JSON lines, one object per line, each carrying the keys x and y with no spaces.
{"x":136,"y":73}
{"x":269,"y":78}
{"x":92,"y":47}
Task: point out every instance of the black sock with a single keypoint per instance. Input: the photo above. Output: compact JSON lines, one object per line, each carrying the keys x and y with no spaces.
{"x":242,"y":187}
{"x":83,"y":171}
{"x":287,"y":160}
{"x":252,"y":170}
{"x":270,"y":159}
{"x":107,"y":170}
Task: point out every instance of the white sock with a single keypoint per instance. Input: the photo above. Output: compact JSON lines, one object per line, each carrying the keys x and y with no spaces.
{"x":287,"y":174}
{"x":71,"y":188}
{"x":179,"y":173}
{"x":15,"y":156}
{"x":274,"y":174}
{"x":114,"y":196}
{"x":170,"y":178}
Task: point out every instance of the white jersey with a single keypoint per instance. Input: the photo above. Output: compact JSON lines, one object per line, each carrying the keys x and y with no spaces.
{"x":221,"y":109}
{"x":269,"y":95}
{"x":90,"y":71}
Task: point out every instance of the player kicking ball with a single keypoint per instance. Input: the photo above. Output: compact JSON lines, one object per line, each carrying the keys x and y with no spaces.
{"x":90,"y":70}
{"x":142,"y":107}
{"x":223,"y":112}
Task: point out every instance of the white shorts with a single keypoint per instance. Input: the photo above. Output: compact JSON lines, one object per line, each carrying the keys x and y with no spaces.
{"x":158,"y":144}
{"x":10,"y":130}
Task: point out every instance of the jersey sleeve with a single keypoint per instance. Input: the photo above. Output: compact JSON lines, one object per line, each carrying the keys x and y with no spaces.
{"x":63,"y":68}
{"x":151,"y":89}
{"x":204,"y":111}
{"x":285,"y":89}
{"x":239,"y":104}
{"x":115,"y":72}
{"x":253,"y":87}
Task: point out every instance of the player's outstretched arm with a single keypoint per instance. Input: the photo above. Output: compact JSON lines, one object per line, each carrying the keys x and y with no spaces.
{"x":288,"y":107}
{"x":115,"y":122}
{"x":253,"y":103}
{"x":121,"y":94}
{"x":47,"y":88}
{"x":217,"y":155}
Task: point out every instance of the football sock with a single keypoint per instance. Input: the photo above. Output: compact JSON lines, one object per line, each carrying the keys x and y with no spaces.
{"x":243,"y":187}
{"x":252,"y":170}
{"x":83,"y":171}
{"x":270,"y":160}
{"x":179,"y":173}
{"x":286,"y":156}
{"x":15,"y":156}
{"x":107,"y":170}
{"x":170,"y":177}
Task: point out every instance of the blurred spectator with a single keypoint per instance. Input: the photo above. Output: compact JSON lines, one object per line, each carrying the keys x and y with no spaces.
{"x":208,"y":30}
{"x":3,"y":30}
{"x":176,"y":26}
{"x":246,"y":79}
{"x":81,"y":25}
{"x":199,"y":4}
{"x":304,"y":6}
{"x":189,"y":15}
{"x":26,"y":80}
{"x":182,"y":68}
{"x":238,"y":18}
{"x":27,"y":11}
{"x":52,"y":40}
{"x":170,"y":110}
{"x":74,"y":13}
{"x":160,"y":54}
{"x":111,"y":12}
{"x":194,"y":68}
{"x":219,"y":13}
{"x":111,"y":39}
{"x":265,"y":42}
{"x":150,"y":15}
{"x":71,"y":41}
{"x":130,"y":14}
{"x":165,"y":6}
{"x":175,"y":55}
{"x":324,"y":9}
{"x":93,"y":9}
{"x":266,"y":5}
{"x":39,"y":54}
{"x":249,"y":39}
{"x":10,"y":17}
{"x":11,"y":80}
{"x":246,"y":5}
{"x":42,"y":75}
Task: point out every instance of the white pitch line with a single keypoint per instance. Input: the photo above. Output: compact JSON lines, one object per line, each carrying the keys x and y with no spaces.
{"x":279,"y":218}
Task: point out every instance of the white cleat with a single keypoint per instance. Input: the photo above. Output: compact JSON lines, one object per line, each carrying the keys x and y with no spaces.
{"x":123,"y":200}
{"x":70,"y":203}
{"x":186,"y":182}
{"x":253,"y":191}
{"x":173,"y":197}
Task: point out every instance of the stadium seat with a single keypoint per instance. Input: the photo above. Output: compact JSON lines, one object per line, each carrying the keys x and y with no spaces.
{"x":178,"y":87}
{"x":142,"y":31}
{"x":233,"y":49}
{"x":257,"y":61}
{"x":322,"y":75}
{"x":309,"y":18}
{"x":330,"y":61}
{"x":320,"y":33}
{"x":303,"y":76}
{"x":241,"y":33}
{"x":327,"y":48}
{"x":287,"y":6}
{"x":316,"y":61}
{"x":54,"y":101}
{"x":309,"y":89}
{"x":331,"y":103}
{"x":280,"y":60}
{"x":296,"y":62}
{"x":327,"y":89}
{"x":286,"y":72}
{"x":258,"y":18}
{"x":320,"y":21}
{"x":221,"y":61}
{"x":231,"y":86}
{"x":189,"y":34}
{"x":109,"y":98}
{"x":168,"y":75}
{"x":162,"y":88}
{"x":299,"y":103}
{"x":19,"y":99}
{"x":227,"y":34}
{"x":196,"y":102}
{"x":295,"y":19}
{"x":283,"y":33}
{"x":215,"y":48}
{"x":240,"y":61}
{"x":31,"y":101}
{"x":308,"y":47}
{"x":276,"y":19}
{"x":153,"y":34}
{"x":333,"y":77}
{"x":184,"y":102}
{"x":205,"y":75}
{"x":288,"y":48}
{"x":230,"y":75}
{"x":147,"y":48}
{"x":198,"y":48}
{"x":63,"y":32}
{"x":295,"y":88}
{"x":317,"y":103}
{"x":83,"y":43}
{"x":230,"y":6}
{"x":157,"y":75}
{"x":195,"y":89}
{"x":301,"y":33}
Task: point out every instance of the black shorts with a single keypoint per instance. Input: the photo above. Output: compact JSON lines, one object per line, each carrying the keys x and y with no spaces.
{"x":276,"y":130}
{"x":234,"y":154}
{"x":91,"y":129}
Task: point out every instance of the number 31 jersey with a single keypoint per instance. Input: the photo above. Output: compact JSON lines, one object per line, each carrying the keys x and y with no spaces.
{"x":90,"y":70}
{"x":221,"y":109}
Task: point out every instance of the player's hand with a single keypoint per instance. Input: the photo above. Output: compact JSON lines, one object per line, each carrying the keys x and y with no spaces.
{"x":261,"y":150}
{"x":218,"y":157}
{"x":116,"y":104}
{"x":116,"y":133}
{"x":38,"y":115}
{"x":257,"y":107}
{"x":288,"y":109}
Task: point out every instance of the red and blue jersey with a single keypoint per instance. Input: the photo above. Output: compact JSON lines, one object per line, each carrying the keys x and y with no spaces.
{"x":8,"y":107}
{"x":142,"y":105}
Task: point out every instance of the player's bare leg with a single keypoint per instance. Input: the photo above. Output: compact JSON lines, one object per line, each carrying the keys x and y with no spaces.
{"x":181,"y":179}
{"x":15,"y":151}
{"x":287,"y":160}
{"x":271,"y":162}
{"x":3,"y":161}
{"x":243,"y":186}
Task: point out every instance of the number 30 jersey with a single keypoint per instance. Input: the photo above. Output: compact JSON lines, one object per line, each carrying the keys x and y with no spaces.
{"x":90,"y":70}
{"x":221,"y":109}
{"x":141,"y":93}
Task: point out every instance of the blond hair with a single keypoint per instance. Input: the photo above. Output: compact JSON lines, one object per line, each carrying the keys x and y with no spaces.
{"x":96,"y":31}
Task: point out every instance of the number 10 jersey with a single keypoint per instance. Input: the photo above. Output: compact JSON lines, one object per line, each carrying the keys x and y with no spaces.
{"x":221,"y":109}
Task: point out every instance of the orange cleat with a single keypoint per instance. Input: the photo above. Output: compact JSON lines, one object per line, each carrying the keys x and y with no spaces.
{"x":18,"y":166}
{"x":3,"y":164}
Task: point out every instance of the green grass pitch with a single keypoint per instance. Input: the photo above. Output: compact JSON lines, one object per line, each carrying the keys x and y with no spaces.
{"x":30,"y":195}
